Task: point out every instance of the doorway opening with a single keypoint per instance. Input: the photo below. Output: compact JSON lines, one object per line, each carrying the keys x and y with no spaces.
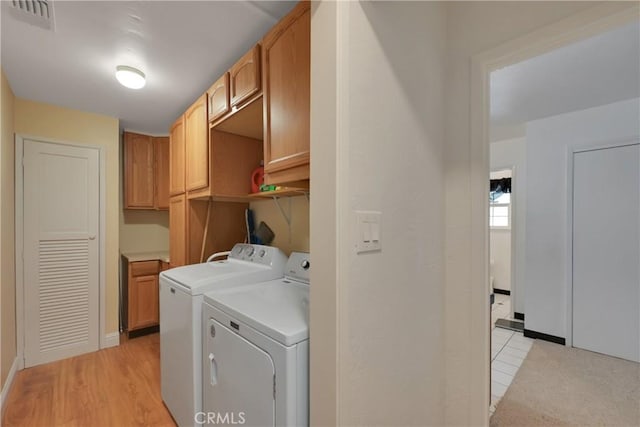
{"x":538,"y":105}
{"x":501,"y":249}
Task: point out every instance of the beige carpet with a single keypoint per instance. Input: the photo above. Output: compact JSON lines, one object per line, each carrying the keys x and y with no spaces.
{"x":561,"y":386}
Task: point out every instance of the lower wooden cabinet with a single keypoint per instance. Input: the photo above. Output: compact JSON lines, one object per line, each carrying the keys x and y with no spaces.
{"x":141,"y":295}
{"x":143,"y":302}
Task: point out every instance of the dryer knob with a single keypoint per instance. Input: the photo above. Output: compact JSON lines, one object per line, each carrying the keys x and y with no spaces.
{"x":305,"y":264}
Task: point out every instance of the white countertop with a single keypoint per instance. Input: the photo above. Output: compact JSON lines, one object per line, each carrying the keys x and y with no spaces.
{"x":146,"y":256}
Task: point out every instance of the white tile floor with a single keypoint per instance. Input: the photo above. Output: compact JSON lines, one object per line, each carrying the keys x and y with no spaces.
{"x":501,"y":308}
{"x":508,"y":351}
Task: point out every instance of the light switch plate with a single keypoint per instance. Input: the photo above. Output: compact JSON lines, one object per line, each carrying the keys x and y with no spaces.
{"x":368,"y":231}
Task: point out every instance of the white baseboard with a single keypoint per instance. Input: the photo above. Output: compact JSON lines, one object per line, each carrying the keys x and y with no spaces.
{"x":6,"y":388}
{"x":111,"y":340}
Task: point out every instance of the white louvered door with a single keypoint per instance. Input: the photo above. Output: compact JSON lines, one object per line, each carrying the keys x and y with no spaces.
{"x":61,"y":243}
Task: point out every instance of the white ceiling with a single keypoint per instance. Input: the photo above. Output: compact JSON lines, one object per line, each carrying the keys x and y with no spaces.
{"x":182,"y":47}
{"x":596,"y":71}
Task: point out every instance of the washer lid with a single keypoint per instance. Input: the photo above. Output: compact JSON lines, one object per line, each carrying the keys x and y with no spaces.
{"x":198,"y":278}
{"x":278,"y":308}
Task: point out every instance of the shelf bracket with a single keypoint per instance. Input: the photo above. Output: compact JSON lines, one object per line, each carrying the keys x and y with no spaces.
{"x":286,"y":217}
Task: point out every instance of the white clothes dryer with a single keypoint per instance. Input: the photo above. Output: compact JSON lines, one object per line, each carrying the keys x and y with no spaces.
{"x":256,"y":351}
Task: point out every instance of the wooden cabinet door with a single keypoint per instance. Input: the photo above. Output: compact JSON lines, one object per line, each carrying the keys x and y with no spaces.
{"x":138,"y":171}
{"x":286,"y":89}
{"x":218,"y":95}
{"x":178,"y":230}
{"x":197,"y":145}
{"x":176,"y":157}
{"x":245,"y":77}
{"x":161,"y":145}
{"x":143,"y":302}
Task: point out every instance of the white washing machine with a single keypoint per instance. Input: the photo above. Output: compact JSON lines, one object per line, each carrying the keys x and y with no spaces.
{"x":256,"y":351}
{"x":181,"y":296}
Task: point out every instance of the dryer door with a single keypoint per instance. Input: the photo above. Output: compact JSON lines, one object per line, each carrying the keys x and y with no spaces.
{"x":239,"y":378}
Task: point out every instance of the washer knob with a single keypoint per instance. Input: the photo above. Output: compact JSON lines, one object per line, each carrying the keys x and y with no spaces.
{"x":305,"y":264}
{"x":250,"y":251}
{"x":261,"y":253}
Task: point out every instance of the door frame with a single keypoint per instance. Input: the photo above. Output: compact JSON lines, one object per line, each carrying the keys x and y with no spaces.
{"x":19,"y":238}
{"x":590,"y":22}
{"x":571,"y":151}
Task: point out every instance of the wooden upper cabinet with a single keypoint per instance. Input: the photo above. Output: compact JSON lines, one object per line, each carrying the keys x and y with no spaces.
{"x":161,"y":147}
{"x":177,"y":158}
{"x":178,"y":230}
{"x":138,"y":171}
{"x":197,"y":145}
{"x":245,"y":77}
{"x":286,"y":90}
{"x":218,"y":96}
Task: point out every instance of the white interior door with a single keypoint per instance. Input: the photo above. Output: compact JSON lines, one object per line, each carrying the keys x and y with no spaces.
{"x":61,"y":263}
{"x":606,"y":251}
{"x":239,"y":379}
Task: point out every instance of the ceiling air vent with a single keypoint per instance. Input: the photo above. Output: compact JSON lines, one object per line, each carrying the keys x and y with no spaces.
{"x":34,"y":12}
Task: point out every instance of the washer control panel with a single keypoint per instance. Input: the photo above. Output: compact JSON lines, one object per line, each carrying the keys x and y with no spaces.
{"x":298,"y":266}
{"x":260,"y":254}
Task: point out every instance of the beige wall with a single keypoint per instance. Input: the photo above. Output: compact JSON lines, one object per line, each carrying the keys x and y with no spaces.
{"x":144,"y":231}
{"x":295,"y":240}
{"x":381,"y":125}
{"x":63,"y":124}
{"x":7,"y":234}
{"x":472,"y":28}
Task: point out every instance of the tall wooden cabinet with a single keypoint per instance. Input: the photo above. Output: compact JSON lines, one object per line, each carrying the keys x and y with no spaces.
{"x":286,"y":91}
{"x":176,"y":157}
{"x":197,"y":145}
{"x":161,"y":166}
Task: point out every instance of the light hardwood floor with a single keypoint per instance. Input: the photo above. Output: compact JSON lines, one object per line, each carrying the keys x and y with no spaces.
{"x":118,"y":386}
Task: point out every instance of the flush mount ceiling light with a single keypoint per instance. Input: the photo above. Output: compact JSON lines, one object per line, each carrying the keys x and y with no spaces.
{"x":130,"y":77}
